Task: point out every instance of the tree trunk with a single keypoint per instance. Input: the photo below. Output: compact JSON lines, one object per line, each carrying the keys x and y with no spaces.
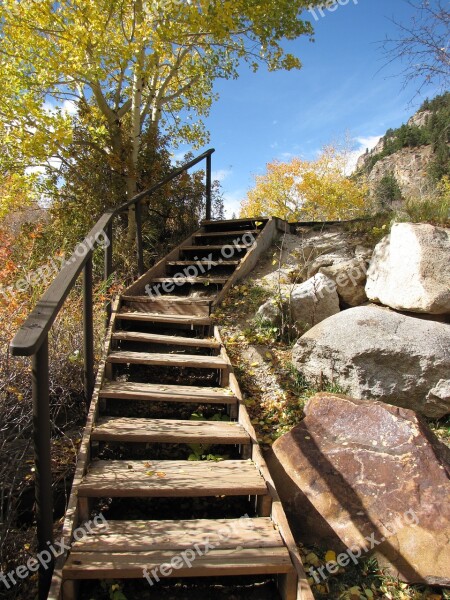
{"x":136,"y":108}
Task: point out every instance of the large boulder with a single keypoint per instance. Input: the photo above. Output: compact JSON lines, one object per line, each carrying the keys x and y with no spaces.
{"x":410,"y":269}
{"x":365,"y":477}
{"x":314,"y":300}
{"x":375,"y":353}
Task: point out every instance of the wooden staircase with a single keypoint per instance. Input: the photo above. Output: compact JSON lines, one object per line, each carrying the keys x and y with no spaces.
{"x":164,"y":360}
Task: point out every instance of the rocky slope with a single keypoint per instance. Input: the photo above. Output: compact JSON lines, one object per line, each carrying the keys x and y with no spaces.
{"x":416,"y":154}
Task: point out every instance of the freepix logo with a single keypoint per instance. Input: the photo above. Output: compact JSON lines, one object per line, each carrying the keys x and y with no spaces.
{"x":46,"y":557}
{"x":321,"y":11}
{"x":201,"y":266}
{"x":199,"y":548}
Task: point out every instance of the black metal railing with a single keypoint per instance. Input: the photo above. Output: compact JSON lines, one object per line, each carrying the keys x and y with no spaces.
{"x":32,"y":340}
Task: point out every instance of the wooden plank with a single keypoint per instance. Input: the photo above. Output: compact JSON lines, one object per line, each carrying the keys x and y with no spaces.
{"x":192,"y":280}
{"x":214,"y":563}
{"x":161,"y":306}
{"x":246,"y":222}
{"x":164,"y":478}
{"x":168,"y":299}
{"x":204,"y":263}
{"x":209,"y":234}
{"x":173,"y":360}
{"x":141,"y":536}
{"x":164,"y":318}
{"x":167,"y":393}
{"x":170,"y":340}
{"x":212,"y":247}
{"x":123,"y":429}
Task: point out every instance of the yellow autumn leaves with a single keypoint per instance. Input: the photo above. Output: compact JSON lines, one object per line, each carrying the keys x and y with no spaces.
{"x":307,"y":190}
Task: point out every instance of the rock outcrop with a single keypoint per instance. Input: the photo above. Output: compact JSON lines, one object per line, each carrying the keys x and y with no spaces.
{"x":350,"y":278}
{"x":409,"y":166}
{"x":410,"y":269}
{"x":341,"y":256}
{"x":367,"y":477}
{"x":376,"y":353}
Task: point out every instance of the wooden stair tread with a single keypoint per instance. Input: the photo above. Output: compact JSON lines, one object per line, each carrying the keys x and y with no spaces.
{"x":253,"y":220}
{"x":164,"y":318}
{"x":215,"y":247}
{"x":174,"y":360}
{"x":213,"y":263}
{"x":127,"y":390}
{"x":215,"y":563}
{"x":193,"y":280}
{"x":142,"y":535}
{"x":175,"y":340}
{"x":169,"y":299}
{"x":226,"y":233}
{"x":125,"y":429}
{"x":174,"y":478}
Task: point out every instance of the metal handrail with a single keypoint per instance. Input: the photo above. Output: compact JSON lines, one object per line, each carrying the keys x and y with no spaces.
{"x":32,"y":340}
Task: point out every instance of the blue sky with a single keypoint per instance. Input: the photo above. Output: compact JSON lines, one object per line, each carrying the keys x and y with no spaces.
{"x":263,"y":116}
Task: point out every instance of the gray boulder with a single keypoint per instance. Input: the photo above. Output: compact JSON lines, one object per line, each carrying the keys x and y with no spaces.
{"x":314,"y":300}
{"x":410,"y":269}
{"x":378,"y":354}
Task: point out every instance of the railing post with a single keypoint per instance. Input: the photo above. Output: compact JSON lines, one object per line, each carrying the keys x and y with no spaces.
{"x":108,"y":268}
{"x":208,"y":187}
{"x":88,"y":331}
{"x":140,"y":249}
{"x":43,"y":464}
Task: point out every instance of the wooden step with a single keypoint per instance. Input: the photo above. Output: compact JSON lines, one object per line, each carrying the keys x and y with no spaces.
{"x":171,"y":305}
{"x":211,"y":248}
{"x":167,"y":393}
{"x":170,"y":360}
{"x":208,"y":234}
{"x":170,"y":340}
{"x":216,"y":563}
{"x":174,"y":478}
{"x":192,"y":280}
{"x":122,"y":429}
{"x":211,"y":264}
{"x":165,"y":318}
{"x":233,"y":224}
{"x":142,"y":535}
{"x":216,"y":547}
{"x":168,"y":299}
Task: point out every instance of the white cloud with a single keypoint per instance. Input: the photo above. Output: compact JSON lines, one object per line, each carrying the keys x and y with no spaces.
{"x":232,"y":202}
{"x":53,"y":162}
{"x":69,"y":107}
{"x":220,"y":174}
{"x":361,"y":144}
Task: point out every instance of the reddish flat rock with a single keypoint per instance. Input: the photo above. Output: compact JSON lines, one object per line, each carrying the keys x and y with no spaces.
{"x":366,"y":474}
